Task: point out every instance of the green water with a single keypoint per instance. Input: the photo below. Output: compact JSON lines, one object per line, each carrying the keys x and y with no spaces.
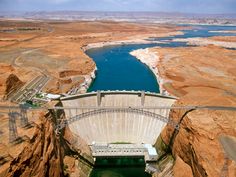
{"x":119,"y":167}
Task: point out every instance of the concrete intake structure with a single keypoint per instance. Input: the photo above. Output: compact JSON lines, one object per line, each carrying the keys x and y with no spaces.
{"x":117,"y":125}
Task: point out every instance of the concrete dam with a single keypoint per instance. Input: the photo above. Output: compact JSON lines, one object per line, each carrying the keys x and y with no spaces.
{"x":117,"y":116}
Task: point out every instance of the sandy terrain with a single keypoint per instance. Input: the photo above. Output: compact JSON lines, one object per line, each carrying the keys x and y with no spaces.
{"x":227,"y":42}
{"x":175,"y":68}
{"x":224,"y":38}
{"x":210,"y":66}
{"x":198,"y":76}
{"x":138,"y":39}
{"x":57,"y":48}
{"x":224,"y":31}
{"x":204,"y":75}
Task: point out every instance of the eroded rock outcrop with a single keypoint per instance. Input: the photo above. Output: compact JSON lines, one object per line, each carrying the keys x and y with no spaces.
{"x":42,"y":157}
{"x":181,"y":169}
{"x":58,"y":49}
{"x":49,"y":154}
{"x":203,"y":76}
{"x":197,"y":141}
{"x":12,"y":83}
{"x":13,"y":78}
{"x":9,"y":82}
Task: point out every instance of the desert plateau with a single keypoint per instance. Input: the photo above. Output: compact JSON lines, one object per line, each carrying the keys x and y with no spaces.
{"x":117,"y":89}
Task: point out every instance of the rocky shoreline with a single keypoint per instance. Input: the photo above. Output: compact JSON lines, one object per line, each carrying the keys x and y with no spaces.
{"x":142,"y":40}
{"x":138,"y":40}
{"x":206,"y":41}
{"x":116,"y":43}
{"x":89,"y":78}
{"x":83,"y":87}
{"x":151,"y":60}
{"x":224,"y":31}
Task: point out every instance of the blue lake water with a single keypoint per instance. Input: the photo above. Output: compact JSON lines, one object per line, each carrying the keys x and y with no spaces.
{"x":204,"y":31}
{"x":118,"y":70}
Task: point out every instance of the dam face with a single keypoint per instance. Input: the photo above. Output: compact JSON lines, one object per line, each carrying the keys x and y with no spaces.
{"x":117,"y":116}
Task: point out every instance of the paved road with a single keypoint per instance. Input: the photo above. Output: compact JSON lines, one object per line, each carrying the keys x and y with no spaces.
{"x":28,"y":91}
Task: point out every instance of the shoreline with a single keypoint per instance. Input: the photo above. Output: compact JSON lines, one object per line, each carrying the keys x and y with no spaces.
{"x":151,"y":59}
{"x":83,"y":88}
{"x":139,"y":40}
{"x":199,"y":41}
{"x":117,"y":43}
{"x":224,"y":31}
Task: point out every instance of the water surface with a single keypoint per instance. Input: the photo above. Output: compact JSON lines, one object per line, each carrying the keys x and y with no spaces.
{"x":120,"y":167}
{"x":118,"y":70}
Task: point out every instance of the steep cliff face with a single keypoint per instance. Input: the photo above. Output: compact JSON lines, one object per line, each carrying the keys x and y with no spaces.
{"x":197,"y":141}
{"x":47,"y":153}
{"x":12,"y":83}
{"x":42,"y":157}
{"x":9,"y":82}
{"x":181,"y":169}
{"x":202,"y":76}
{"x":12,"y":78}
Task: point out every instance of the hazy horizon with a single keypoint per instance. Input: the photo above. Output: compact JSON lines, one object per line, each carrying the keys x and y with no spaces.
{"x":113,"y":11}
{"x":161,"y":6}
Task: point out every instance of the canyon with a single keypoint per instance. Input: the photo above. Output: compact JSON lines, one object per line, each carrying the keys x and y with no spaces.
{"x":197,"y":76}
{"x":55,"y":49}
{"x":202,"y":75}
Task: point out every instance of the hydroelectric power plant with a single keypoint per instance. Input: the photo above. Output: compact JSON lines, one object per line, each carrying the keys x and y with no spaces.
{"x":115,"y":124}
{"x":51,"y":127}
{"x":117,"y":116}
{"x":118,"y":123}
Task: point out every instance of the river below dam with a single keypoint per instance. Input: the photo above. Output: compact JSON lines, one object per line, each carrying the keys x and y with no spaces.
{"x":118,"y":70}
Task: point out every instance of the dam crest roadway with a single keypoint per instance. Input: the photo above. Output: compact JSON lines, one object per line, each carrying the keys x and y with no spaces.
{"x":117,"y":116}
{"x":113,"y":123}
{"x":116,"y":123}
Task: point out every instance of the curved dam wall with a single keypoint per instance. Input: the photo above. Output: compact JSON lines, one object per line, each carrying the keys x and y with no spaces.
{"x":117,"y":125}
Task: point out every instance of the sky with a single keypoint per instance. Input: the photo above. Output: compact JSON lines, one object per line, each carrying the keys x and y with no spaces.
{"x":187,"y":6}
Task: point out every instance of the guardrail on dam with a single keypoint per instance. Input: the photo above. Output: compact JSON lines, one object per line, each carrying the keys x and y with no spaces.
{"x":117,"y":116}
{"x":106,"y":117}
{"x":108,"y":121}
{"x":113,"y":123}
